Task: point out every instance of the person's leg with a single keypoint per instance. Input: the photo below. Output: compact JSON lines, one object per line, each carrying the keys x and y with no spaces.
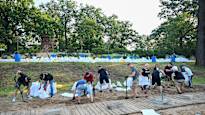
{"x":178,"y":87}
{"x":51,"y":88}
{"x":145,"y":87}
{"x":191,"y":81}
{"x":109,"y":84}
{"x":78,"y":98}
{"x":181,"y":85}
{"x":158,"y":81}
{"x":14,"y":96}
{"x":101,"y":83}
{"x":90,"y":92}
{"x":134,"y":89}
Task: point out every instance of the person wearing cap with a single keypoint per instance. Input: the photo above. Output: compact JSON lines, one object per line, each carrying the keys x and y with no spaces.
{"x":24,"y":80}
{"x":178,"y":79}
{"x":103,"y":75}
{"x":48,"y":79}
{"x":134,"y":74}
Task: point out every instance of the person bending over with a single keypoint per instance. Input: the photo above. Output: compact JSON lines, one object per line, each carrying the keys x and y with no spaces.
{"x":189,"y":73}
{"x":104,"y":76}
{"x":24,"y":80}
{"x":48,"y":79}
{"x":178,"y":79}
{"x":168,"y":71}
{"x":82,"y":86}
{"x":89,"y":77}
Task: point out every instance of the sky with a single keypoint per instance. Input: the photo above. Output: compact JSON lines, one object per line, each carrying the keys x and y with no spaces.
{"x":141,"y":13}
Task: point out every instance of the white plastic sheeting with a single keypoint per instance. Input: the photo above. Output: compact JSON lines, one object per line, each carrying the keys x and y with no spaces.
{"x":91,"y":60}
{"x":67,"y":95}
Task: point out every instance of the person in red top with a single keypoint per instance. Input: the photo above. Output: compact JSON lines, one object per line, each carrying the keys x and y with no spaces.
{"x":89,"y":77}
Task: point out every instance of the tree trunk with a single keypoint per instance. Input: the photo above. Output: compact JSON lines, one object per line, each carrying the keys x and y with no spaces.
{"x":200,"y":53}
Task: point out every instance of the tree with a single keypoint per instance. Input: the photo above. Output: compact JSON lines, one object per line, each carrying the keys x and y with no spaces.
{"x":13,"y":16}
{"x":177,"y":35}
{"x":201,"y":35}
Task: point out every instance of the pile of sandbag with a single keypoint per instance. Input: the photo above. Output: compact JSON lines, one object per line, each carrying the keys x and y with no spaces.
{"x":37,"y":90}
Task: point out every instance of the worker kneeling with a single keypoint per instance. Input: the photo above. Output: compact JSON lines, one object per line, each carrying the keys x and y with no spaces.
{"x":82,"y":87}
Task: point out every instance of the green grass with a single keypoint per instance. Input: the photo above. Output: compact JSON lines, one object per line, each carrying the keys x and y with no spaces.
{"x":67,"y":73}
{"x":198,"y":80}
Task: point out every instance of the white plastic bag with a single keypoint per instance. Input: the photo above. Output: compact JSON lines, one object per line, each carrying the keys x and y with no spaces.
{"x":129,"y":82}
{"x":104,"y":85}
{"x":34,"y":89}
{"x":143,"y":80}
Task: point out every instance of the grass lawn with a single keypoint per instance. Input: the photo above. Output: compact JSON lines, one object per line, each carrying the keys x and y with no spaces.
{"x":66,"y":74}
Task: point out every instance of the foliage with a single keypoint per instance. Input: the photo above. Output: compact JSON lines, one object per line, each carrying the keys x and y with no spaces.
{"x":3,"y":46}
{"x":179,"y":32}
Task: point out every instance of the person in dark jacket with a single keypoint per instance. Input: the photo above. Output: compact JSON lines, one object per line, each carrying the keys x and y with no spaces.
{"x":47,"y":79}
{"x":156,"y":79}
{"x":24,"y":80}
{"x":104,"y":76}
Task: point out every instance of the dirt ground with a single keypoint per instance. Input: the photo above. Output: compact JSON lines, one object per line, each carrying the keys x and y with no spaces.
{"x":7,"y":105}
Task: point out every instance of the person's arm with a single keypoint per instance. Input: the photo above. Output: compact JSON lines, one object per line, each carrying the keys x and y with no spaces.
{"x":132,"y":74}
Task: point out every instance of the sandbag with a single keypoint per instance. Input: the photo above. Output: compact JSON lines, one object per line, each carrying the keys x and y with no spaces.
{"x":104,"y":85}
{"x":118,"y":84}
{"x":129,"y":82}
{"x":37,"y":90}
{"x":143,"y":80}
{"x":34,"y":89}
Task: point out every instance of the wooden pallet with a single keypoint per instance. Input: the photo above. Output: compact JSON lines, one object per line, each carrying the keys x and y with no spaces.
{"x":116,"y":107}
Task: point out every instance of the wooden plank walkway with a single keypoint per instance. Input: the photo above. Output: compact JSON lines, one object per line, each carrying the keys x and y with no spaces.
{"x":118,"y":107}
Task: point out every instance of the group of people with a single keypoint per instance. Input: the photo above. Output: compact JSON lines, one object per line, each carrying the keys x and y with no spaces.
{"x":23,"y":79}
{"x":171,"y":75}
{"x":85,"y":86}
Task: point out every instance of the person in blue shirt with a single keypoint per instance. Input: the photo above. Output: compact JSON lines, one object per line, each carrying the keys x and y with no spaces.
{"x":82,"y":86}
